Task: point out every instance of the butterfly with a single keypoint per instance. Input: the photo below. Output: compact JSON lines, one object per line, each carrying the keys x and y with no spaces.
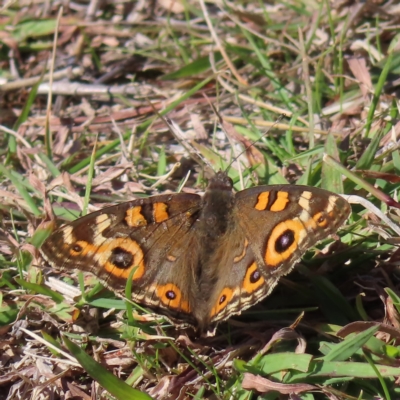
{"x":199,"y":259}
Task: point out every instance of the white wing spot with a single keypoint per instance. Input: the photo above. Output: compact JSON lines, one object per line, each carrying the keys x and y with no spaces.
{"x":304,"y":200}
{"x":103,"y":222}
{"x":68,"y":235}
{"x":332,"y":203}
{"x":304,"y":216}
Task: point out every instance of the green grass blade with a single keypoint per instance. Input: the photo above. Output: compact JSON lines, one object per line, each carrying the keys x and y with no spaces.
{"x":367,"y":158}
{"x":57,"y":297}
{"x":359,"y":181}
{"x":88,"y":189}
{"x":379,"y":375}
{"x":50,"y":165}
{"x":20,"y":186}
{"x":198,"y":66}
{"x":395,"y":298}
{"x":276,"y":362}
{"x":106,"y":379}
{"x":23,"y":117}
{"x":343,"y":369}
{"x":381,"y":82}
{"x":350,"y":345}
{"x":331,"y":177}
{"x":55,"y":343}
{"x":268,"y":70}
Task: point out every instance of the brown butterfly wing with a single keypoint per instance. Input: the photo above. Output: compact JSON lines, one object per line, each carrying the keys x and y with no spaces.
{"x":147,"y":236}
{"x":274,"y":226}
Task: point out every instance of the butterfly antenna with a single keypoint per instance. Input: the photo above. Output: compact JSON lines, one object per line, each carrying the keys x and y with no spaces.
{"x":279,"y":119}
{"x":180,"y":137}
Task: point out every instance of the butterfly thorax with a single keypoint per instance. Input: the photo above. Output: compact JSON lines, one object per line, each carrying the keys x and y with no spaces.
{"x":217,"y":206}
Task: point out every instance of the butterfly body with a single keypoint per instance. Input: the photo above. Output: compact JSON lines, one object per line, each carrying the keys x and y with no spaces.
{"x":199,"y":259}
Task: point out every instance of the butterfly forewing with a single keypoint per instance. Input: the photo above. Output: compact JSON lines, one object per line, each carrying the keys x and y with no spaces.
{"x":292,"y":219}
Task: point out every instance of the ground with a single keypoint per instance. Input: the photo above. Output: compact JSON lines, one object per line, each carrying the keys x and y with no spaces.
{"x":106,"y":102}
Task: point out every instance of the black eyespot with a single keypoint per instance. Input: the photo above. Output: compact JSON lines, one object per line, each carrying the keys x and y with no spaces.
{"x":121,"y":258}
{"x":170,"y":295}
{"x":284,"y":241}
{"x":77,"y":248}
{"x":222,"y":299}
{"x":321,"y":219}
{"x":255,"y":276}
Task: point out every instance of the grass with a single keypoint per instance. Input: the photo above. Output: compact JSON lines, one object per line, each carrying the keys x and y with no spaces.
{"x":330,"y":330}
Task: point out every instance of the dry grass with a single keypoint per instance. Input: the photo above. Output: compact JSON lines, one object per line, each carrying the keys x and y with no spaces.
{"x":331,"y":68}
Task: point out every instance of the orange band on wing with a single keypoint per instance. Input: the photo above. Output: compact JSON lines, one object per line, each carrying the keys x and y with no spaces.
{"x":281,"y":202}
{"x":134,"y":217}
{"x":262,"y":201}
{"x":160,"y":212}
